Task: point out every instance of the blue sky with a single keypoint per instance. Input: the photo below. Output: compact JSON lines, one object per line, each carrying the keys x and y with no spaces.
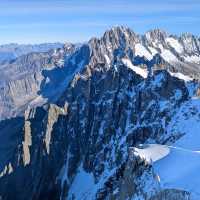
{"x":36,"y":21}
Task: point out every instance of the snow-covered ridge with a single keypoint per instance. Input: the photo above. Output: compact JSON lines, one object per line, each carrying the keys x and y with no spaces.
{"x":176,"y":167}
{"x":152,"y":152}
{"x":172,"y":48}
{"x":179,"y":55}
{"x":181,"y":76}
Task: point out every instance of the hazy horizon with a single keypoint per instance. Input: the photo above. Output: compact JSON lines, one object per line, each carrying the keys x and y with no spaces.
{"x":100,"y":35}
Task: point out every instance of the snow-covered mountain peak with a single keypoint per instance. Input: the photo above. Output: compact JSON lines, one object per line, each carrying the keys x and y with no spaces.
{"x":191,"y":44}
{"x":156,"y":35}
{"x":122,"y":42}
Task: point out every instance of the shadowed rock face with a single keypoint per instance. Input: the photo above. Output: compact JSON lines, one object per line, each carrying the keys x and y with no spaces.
{"x":84,"y":128}
{"x":33,"y":79}
{"x":104,"y":109}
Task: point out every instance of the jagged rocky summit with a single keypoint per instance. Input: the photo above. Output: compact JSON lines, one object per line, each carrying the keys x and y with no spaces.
{"x":104,"y":99}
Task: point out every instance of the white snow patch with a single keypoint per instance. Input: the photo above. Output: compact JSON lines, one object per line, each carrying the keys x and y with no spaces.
{"x":140,"y":50}
{"x":107,"y":59}
{"x":174,"y":43}
{"x":192,"y":59}
{"x":137,"y":70}
{"x":109,"y":47}
{"x":153,"y":50}
{"x":152,"y":152}
{"x":160,"y":46}
{"x":181,"y":76}
{"x":168,"y":56}
{"x":55,"y":53}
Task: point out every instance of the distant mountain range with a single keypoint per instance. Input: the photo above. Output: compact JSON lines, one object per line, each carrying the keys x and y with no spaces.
{"x":116,"y":118}
{"x":12,"y":51}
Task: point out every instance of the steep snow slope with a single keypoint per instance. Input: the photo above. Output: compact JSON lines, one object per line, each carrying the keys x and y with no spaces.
{"x":180,"y":169}
{"x":176,"y":167}
{"x":84,"y":186}
{"x":141,"y":51}
{"x":175,"y":44}
{"x":187,"y":123}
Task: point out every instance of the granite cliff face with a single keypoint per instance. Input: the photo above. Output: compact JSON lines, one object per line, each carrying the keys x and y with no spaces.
{"x":34,"y":79}
{"x":120,"y":91}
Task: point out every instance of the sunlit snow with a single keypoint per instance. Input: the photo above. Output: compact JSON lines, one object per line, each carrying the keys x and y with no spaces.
{"x":175,"y":44}
{"x":137,"y":70}
{"x":141,"y":51}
